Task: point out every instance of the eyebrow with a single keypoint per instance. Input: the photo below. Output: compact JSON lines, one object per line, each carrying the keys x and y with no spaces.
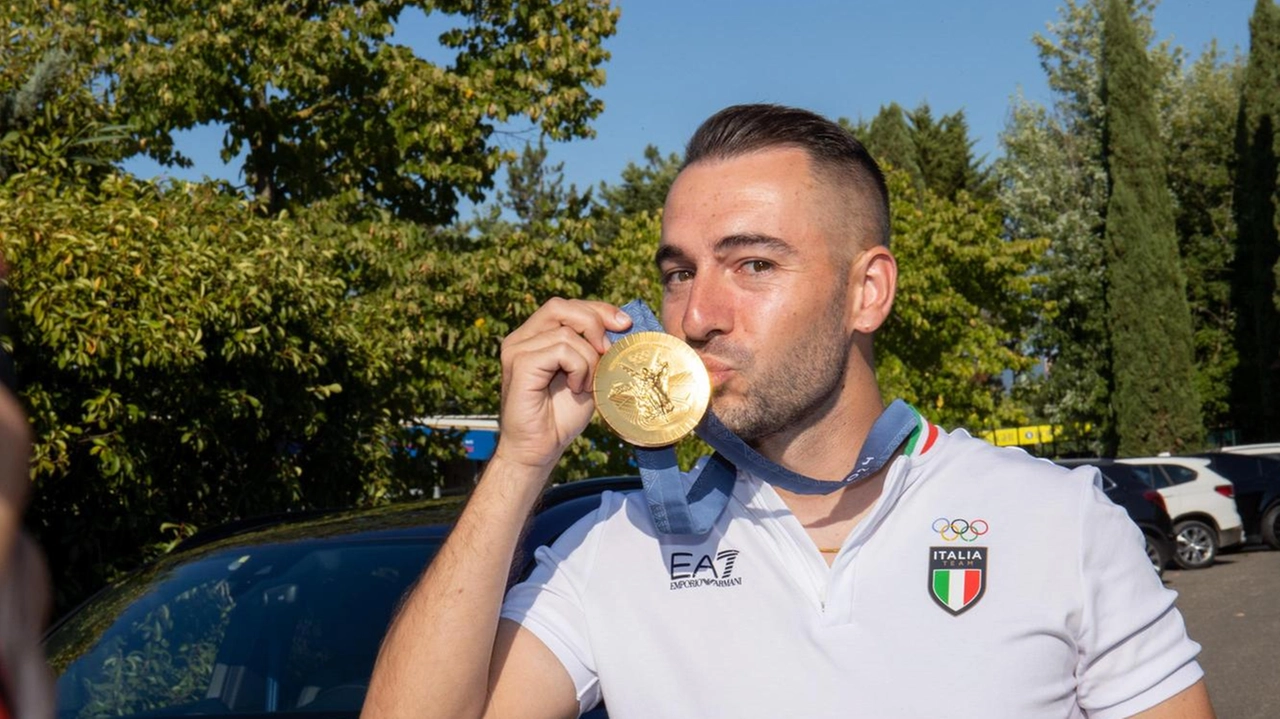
{"x":730,"y":242}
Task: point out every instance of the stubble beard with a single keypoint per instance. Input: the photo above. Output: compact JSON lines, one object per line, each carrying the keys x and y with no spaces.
{"x":794,"y":392}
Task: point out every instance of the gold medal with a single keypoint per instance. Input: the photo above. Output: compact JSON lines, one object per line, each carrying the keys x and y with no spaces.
{"x":651,"y":388}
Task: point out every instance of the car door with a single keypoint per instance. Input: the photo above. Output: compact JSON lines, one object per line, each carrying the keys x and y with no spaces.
{"x":1180,"y":488}
{"x":1176,"y":496}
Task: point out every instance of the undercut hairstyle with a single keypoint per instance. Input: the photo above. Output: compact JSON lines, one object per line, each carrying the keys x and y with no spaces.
{"x":836,"y":154}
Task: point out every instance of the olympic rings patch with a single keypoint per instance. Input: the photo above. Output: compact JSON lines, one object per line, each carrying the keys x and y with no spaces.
{"x":966,"y":530}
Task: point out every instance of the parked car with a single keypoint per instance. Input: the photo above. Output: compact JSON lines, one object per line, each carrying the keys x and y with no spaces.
{"x":276,"y":615}
{"x":1201,"y":502}
{"x":1271,"y":518}
{"x":1145,"y":506}
{"x":1257,"y":483}
{"x":1267,"y":449}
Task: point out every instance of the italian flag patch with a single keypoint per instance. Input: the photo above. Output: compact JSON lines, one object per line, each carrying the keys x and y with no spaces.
{"x":957,"y":577}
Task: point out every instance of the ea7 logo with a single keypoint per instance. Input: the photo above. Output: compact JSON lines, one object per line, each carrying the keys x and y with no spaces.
{"x":689,"y":570}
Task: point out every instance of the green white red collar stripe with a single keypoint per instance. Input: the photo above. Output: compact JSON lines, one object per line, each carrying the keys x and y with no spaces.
{"x":922,"y":439}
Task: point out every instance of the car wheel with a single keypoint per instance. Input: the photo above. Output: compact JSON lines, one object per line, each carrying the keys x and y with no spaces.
{"x":1197,"y":544}
{"x":1271,"y":527}
{"x":1155,"y":553}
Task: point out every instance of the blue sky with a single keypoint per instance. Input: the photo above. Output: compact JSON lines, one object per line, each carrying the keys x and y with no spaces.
{"x":677,"y":61}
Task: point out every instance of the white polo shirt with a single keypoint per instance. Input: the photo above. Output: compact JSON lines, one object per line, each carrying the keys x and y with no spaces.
{"x":984,"y":583}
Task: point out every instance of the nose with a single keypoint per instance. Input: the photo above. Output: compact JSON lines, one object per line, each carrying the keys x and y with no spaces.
{"x":704,"y":311}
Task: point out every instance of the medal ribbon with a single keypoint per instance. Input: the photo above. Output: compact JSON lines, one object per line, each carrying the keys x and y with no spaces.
{"x":676,"y":510}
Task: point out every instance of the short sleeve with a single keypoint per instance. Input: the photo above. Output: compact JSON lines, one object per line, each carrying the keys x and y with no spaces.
{"x":1133,"y":644}
{"x":549,"y":603}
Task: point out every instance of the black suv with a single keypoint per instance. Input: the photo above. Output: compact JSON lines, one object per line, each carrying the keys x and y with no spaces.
{"x":1257,"y":492}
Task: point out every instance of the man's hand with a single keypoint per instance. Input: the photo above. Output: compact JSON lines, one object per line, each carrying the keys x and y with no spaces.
{"x":548,"y":366}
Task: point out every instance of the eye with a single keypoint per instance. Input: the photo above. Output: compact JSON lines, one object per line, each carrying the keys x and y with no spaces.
{"x":675,"y":277}
{"x":755,"y":267}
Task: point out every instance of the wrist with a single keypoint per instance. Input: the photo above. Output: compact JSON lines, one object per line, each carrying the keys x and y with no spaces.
{"x":514,"y":471}
{"x":521,"y":462}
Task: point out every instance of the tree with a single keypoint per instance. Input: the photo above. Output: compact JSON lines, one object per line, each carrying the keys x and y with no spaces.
{"x":944,"y":153}
{"x":1156,"y":408}
{"x":49,"y":118}
{"x":323,"y":101}
{"x":535,"y":192}
{"x":888,"y":138}
{"x":1051,"y":187}
{"x":1198,"y":128}
{"x":965,"y":300}
{"x":1256,"y":385}
{"x":186,"y":361}
{"x":935,"y":154}
{"x":174,"y":337}
{"x":643,"y":188}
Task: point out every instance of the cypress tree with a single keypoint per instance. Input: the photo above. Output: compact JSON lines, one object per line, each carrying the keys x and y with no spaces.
{"x":890,"y":140}
{"x":1156,"y":408}
{"x":945,"y":154}
{"x":936,"y":154}
{"x":1257,"y":377}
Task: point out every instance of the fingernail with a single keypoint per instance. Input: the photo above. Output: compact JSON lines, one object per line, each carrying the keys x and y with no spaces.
{"x":623,"y":317}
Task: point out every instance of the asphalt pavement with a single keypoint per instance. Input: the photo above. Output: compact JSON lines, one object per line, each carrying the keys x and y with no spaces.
{"x":1233,"y":610}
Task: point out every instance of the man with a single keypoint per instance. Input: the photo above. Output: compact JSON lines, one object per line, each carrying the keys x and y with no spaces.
{"x":958,"y":575}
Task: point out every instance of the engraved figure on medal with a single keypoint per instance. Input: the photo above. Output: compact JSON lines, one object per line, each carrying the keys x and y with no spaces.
{"x":653,"y":394}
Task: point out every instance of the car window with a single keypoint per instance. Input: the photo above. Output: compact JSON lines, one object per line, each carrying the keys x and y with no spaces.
{"x":1179,"y":474}
{"x":1150,"y":475}
{"x":1234,"y":466}
{"x":261,"y":630}
{"x":1123,"y":475}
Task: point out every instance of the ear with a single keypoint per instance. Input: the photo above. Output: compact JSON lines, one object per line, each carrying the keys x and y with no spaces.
{"x":873,"y":284}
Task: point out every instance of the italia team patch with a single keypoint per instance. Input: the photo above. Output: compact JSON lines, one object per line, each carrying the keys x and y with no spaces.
{"x":957,"y":576}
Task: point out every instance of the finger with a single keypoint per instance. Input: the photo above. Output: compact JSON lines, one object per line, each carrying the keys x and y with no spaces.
{"x":589,"y":318}
{"x":561,"y":350}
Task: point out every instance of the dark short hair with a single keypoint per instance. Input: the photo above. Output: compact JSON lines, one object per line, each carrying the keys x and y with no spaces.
{"x":743,"y":129}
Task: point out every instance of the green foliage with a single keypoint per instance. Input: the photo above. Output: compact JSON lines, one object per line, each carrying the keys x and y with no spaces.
{"x":186,"y":360}
{"x":945,"y":155}
{"x":535,"y":192}
{"x":1199,"y":126}
{"x":1256,"y":385}
{"x":1071,"y":55}
{"x":48,"y":117}
{"x":1156,"y":408}
{"x":936,"y":154}
{"x":889,"y":139}
{"x":643,"y":188}
{"x":325,"y":102}
{"x":1053,"y":184}
{"x":965,"y":300}
{"x":1052,"y":187}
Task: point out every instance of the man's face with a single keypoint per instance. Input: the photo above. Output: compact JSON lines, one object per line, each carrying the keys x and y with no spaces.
{"x":754,"y":279}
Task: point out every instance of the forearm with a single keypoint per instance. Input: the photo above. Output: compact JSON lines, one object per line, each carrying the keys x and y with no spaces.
{"x":436,"y":657}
